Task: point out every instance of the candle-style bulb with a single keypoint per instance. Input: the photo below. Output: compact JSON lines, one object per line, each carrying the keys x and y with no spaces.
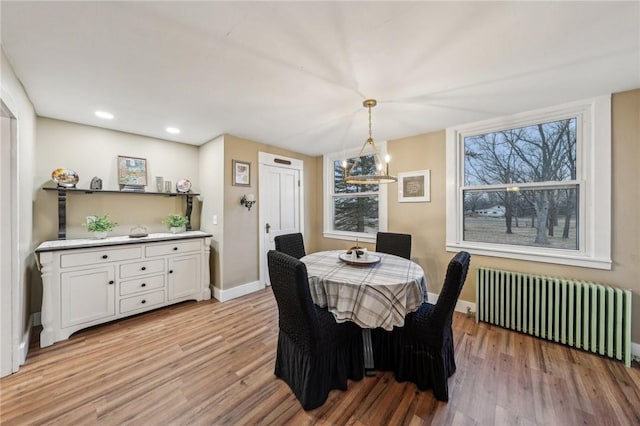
{"x":387,"y":158}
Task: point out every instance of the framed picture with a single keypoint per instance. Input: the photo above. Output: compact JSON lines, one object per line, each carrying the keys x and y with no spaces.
{"x":241,"y":173}
{"x":414,"y":187}
{"x":132,"y":171}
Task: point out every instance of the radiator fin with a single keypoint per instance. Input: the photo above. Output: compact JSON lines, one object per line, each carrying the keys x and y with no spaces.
{"x":589,"y":316}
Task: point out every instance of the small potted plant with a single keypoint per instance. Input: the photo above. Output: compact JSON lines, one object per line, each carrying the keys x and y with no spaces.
{"x":99,"y":225}
{"x":176,"y":223}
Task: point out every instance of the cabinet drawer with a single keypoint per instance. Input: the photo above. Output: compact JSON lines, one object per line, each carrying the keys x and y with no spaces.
{"x":146,"y":267}
{"x":141,"y":284}
{"x":97,"y":257}
{"x":177,"y":247}
{"x":143,"y":301}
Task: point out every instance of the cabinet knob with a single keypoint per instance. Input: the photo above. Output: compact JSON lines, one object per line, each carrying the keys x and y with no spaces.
{"x":144,"y":301}
{"x":175,"y":248}
{"x":111,"y":282}
{"x":144,"y":268}
{"x":143,"y":285}
{"x":171,"y":271}
{"x":104,"y":256}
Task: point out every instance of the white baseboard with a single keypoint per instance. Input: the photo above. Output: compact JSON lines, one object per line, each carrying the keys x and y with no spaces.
{"x":635,"y":351}
{"x":26,"y":338}
{"x":461,"y":305}
{"x":238,"y":291}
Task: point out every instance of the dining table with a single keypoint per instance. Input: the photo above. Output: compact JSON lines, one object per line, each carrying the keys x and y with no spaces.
{"x":372,"y":290}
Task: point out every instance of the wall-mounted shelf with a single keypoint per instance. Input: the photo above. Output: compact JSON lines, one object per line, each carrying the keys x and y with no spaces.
{"x":62,"y":203}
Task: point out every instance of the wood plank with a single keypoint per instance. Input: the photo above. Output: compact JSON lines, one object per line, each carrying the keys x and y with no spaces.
{"x":212,"y":363}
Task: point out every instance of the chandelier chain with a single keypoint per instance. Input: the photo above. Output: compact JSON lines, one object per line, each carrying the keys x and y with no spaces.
{"x":370,"y":137}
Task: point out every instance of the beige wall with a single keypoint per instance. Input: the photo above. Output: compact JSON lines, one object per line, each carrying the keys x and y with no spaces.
{"x":92,"y":151}
{"x":426,"y":221}
{"x":241,"y":225}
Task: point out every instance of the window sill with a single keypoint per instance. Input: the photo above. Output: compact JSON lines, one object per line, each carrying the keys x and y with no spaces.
{"x":363,"y":238}
{"x":558,"y":257}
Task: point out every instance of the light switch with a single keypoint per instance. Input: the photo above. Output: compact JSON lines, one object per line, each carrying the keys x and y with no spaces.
{"x":215,"y":219}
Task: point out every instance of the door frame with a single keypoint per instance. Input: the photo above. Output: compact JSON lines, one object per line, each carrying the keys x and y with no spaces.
{"x":9,"y":282}
{"x":272,"y":160}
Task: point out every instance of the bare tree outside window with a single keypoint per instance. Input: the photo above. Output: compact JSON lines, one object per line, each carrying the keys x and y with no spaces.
{"x":519,"y":183}
{"x":355,"y":207}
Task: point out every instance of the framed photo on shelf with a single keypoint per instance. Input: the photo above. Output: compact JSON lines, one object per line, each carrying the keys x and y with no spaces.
{"x":241,"y":173}
{"x":132,"y":172}
{"x":414,"y":187}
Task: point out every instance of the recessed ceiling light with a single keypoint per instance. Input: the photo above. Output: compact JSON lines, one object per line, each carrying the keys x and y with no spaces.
{"x":104,"y":114}
{"x":173,"y":130}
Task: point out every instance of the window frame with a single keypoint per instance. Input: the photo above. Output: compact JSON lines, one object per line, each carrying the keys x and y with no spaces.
{"x":593,"y":158}
{"x":328,"y":194}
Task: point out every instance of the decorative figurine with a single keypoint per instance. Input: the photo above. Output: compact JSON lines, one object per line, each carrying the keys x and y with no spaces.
{"x":65,"y":178}
{"x":96,"y":183}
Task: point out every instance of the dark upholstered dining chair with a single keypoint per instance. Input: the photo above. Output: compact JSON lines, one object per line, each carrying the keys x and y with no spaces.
{"x":391,"y":243}
{"x":315,"y":354}
{"x":291,"y":244}
{"x":425,"y":353}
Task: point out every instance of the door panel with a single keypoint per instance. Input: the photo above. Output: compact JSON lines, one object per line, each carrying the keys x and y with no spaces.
{"x":87,"y":295}
{"x":280,"y":195}
{"x":184,"y":277}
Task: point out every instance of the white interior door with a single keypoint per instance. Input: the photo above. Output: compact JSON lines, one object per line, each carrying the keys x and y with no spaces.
{"x":280,"y":202}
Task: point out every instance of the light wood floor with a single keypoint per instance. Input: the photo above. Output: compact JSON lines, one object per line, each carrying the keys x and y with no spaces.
{"x":212,"y":363}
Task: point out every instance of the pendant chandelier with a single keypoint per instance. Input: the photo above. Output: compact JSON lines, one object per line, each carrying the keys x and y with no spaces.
{"x":382,"y":171}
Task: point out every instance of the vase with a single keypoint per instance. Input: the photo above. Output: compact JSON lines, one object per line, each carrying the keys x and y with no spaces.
{"x":176,"y":229}
{"x":100,"y":235}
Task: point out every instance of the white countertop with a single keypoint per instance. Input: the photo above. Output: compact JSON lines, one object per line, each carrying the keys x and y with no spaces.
{"x":110,"y":241}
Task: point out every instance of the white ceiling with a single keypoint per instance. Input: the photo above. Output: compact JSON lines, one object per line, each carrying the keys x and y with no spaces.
{"x":294,"y":74}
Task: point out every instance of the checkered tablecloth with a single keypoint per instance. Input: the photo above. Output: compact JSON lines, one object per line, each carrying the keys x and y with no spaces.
{"x":378,"y":295}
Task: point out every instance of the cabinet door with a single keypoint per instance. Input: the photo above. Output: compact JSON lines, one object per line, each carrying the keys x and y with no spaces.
{"x":87,"y":295}
{"x":184,"y":277}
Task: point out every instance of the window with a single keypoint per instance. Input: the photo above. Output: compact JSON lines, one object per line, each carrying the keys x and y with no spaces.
{"x":353,"y":211}
{"x":534,"y":186}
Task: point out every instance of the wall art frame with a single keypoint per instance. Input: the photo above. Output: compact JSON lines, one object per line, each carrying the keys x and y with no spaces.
{"x":132,"y":171}
{"x":241,"y":173}
{"x":414,"y":187}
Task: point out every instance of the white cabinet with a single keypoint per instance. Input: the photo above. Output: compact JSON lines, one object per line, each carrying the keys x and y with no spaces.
{"x":183,"y":276}
{"x":89,"y":282}
{"x":87,"y":295}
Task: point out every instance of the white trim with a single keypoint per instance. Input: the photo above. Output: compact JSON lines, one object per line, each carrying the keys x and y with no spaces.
{"x":594,"y":170}
{"x":327,"y":185}
{"x":461,"y":305}
{"x":277,"y":161}
{"x":426,"y":181}
{"x":635,"y":351}
{"x":26,"y":338}
{"x":238,"y":291}
{"x":15,"y":304}
{"x":350,"y":236}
